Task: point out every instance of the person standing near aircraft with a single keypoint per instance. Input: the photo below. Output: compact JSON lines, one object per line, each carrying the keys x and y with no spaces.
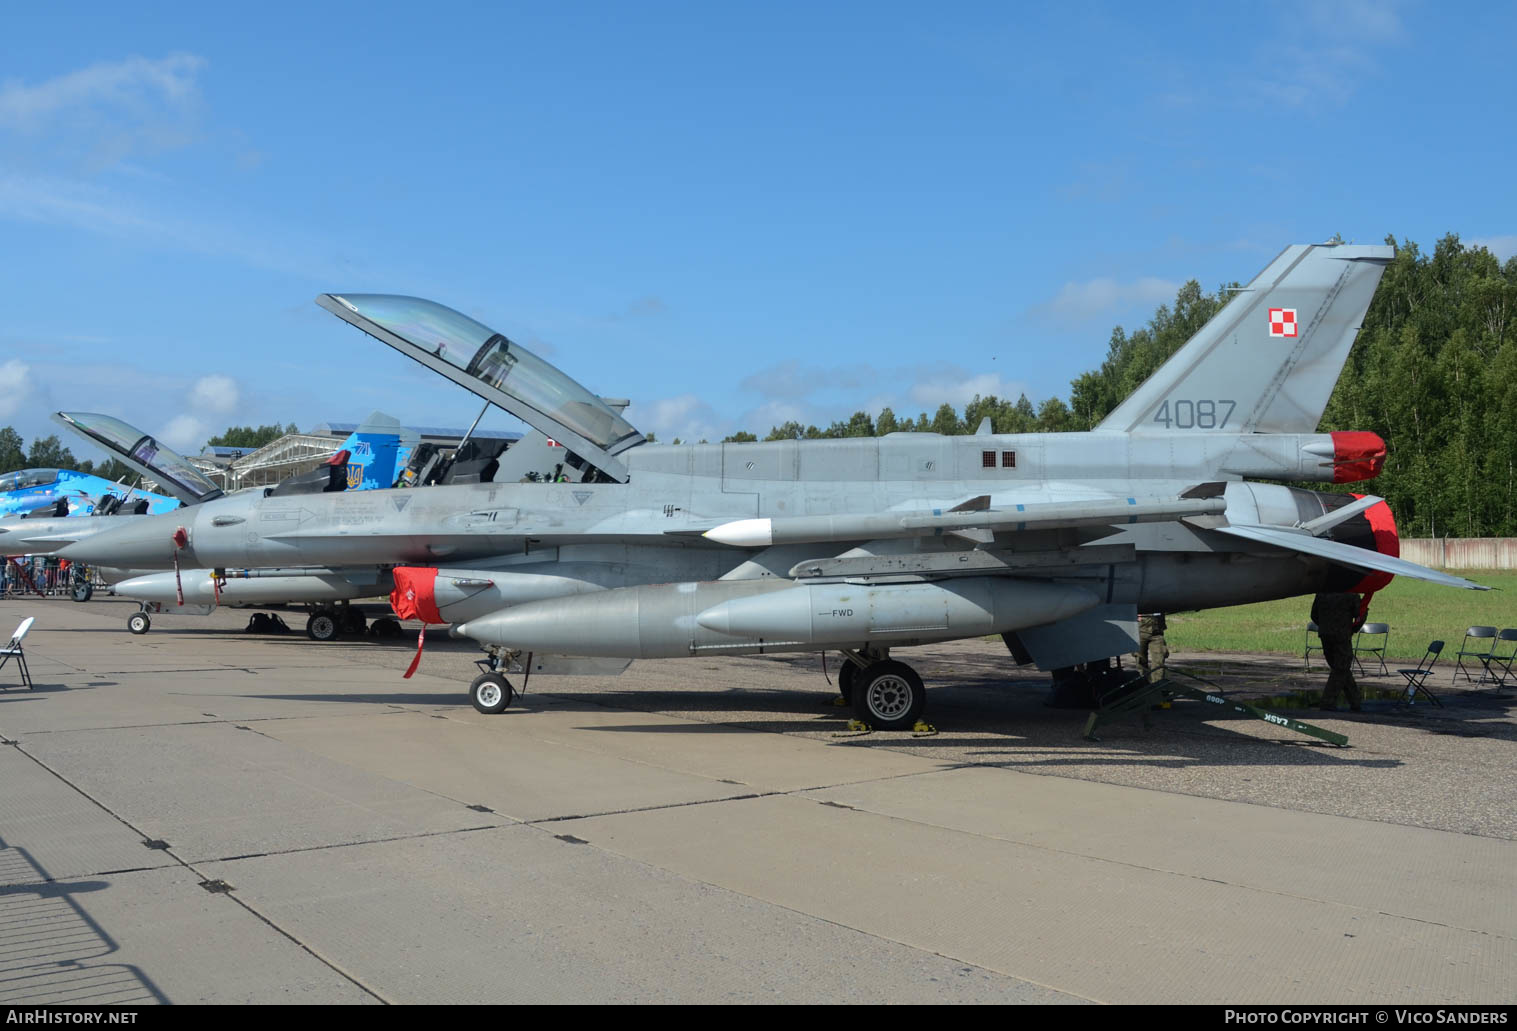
{"x":1153,"y":652}
{"x":1338,"y":615}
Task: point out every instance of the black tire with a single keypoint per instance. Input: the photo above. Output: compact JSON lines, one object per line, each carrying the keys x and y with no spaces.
{"x":322,"y":626}
{"x":138,"y":623}
{"x":353,"y":623}
{"x":386,"y":628}
{"x":83,"y":591}
{"x":888,"y":696}
{"x":848,"y":674}
{"x":490,"y":693}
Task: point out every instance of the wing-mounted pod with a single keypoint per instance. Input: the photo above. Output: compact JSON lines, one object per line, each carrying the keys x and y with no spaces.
{"x":502,"y":372}
{"x":146,"y":454}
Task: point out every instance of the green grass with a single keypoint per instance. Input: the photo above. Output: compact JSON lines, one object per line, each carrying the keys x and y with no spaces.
{"x":1418,"y":612}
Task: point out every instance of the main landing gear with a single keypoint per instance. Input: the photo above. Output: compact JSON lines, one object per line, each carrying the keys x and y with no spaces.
{"x":329,"y":624}
{"x":884,"y":694}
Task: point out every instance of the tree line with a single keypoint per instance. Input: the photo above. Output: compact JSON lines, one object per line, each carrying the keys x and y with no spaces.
{"x":1433,"y":372}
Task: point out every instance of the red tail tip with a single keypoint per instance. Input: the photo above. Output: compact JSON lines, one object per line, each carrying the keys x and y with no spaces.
{"x":1357,"y":455}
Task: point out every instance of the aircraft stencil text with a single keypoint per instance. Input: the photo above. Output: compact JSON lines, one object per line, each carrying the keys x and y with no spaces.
{"x":1184,"y":414}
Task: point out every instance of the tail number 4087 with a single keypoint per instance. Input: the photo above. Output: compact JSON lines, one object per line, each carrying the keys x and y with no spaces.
{"x":1195,"y":415}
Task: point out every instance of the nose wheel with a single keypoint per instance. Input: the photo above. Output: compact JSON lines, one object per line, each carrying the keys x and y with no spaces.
{"x":490,"y":693}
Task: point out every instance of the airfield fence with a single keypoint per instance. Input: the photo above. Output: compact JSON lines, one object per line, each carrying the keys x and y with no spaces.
{"x":1462,"y":552}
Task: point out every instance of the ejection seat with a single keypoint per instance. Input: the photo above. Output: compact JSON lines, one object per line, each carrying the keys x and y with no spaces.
{"x":476,"y":462}
{"x":324,"y":479}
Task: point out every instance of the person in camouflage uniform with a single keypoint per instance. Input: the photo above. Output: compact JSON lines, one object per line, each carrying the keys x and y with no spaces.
{"x":1152,"y":649}
{"x":1337,"y":616}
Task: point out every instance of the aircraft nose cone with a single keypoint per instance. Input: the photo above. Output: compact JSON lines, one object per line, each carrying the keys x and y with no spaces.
{"x":146,"y":543}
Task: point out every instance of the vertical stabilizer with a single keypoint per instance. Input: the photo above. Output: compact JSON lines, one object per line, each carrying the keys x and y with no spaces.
{"x":372,"y":452}
{"x":1267,"y":362}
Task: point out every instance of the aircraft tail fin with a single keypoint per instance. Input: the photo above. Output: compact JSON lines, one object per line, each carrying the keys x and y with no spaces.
{"x":1268,"y":361}
{"x":372,"y":452}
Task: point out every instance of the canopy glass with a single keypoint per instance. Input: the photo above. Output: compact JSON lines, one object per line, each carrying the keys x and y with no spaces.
{"x":144,"y":453}
{"x":521,"y":382}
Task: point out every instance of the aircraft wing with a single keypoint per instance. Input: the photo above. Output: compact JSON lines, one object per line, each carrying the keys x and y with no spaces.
{"x":1346,"y":554}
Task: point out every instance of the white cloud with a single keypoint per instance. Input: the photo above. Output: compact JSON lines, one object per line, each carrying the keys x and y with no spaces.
{"x":1080,"y":302}
{"x":686,"y":417}
{"x":214,"y":394}
{"x":792,"y":379}
{"x":136,"y":87}
{"x":1503,"y":247}
{"x":958,"y":388}
{"x":1355,"y":19}
{"x":15,"y":387}
{"x":39,"y":199}
{"x":185,"y":433}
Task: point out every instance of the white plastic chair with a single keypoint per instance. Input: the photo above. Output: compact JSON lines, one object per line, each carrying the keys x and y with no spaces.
{"x":14,"y":651}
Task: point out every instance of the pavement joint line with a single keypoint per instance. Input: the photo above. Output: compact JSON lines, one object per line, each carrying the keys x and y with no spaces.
{"x":1158,"y":869}
{"x":655,"y":808}
{"x":77,"y":876}
{"x":188,"y":866}
{"x":209,"y":722}
{"x":356,"y":844}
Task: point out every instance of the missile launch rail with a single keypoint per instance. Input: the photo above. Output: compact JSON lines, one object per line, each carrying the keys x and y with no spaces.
{"x":1139,"y":695}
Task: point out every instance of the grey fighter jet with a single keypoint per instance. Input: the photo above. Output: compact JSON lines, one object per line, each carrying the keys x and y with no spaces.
{"x":626,"y":549}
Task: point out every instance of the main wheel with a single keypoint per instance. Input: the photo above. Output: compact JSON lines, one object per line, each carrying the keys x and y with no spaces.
{"x":83,"y":591}
{"x":490,"y":693}
{"x":353,"y":623}
{"x":138,"y":623}
{"x":888,"y":696}
{"x":848,"y":674}
{"x":322,"y":626}
{"x":385,"y":628}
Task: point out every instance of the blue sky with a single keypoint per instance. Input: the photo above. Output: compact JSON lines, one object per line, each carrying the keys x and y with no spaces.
{"x":733,"y":214}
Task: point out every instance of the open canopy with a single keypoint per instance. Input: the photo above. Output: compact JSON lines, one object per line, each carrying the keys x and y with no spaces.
{"x":142,"y":452}
{"x":503,"y":372}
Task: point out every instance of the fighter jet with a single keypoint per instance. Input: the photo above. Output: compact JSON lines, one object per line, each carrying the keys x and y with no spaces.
{"x":867,"y":546}
{"x":58,"y":493}
{"x":365,"y":460}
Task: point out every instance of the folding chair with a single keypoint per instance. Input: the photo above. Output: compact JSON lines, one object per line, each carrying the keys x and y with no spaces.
{"x":1502,"y":662}
{"x":1311,"y":632}
{"x":1477,"y":634}
{"x":1416,"y":679}
{"x":14,"y":651}
{"x":1380,"y":630}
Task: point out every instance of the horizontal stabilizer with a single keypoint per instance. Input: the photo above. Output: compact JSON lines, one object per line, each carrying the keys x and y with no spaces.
{"x":1322,"y":524}
{"x":1347,"y":554}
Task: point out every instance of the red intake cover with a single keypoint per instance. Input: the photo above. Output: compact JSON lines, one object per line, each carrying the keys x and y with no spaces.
{"x":1387,"y":541}
{"x":1357,"y":456}
{"x":413,"y":597}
